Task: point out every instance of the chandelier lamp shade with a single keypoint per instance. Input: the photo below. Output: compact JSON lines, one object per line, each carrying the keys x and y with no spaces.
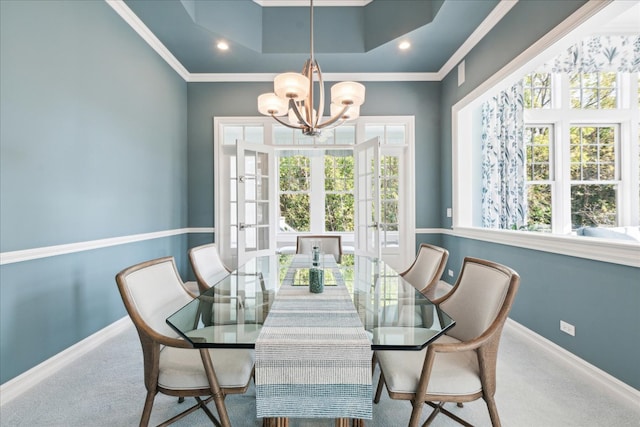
{"x":292,"y":96}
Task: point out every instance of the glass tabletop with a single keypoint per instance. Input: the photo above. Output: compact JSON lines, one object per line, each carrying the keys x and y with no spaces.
{"x":231,"y":314}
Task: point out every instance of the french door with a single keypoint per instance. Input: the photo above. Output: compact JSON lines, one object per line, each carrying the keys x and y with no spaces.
{"x":367,"y":198}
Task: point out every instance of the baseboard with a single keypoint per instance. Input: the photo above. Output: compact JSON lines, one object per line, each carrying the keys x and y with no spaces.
{"x":18,"y":385}
{"x":607,"y":380}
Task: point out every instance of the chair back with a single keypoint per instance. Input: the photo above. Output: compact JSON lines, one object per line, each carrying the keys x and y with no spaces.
{"x":207,"y":266}
{"x":328,"y":244}
{"x":483,"y":294}
{"x":427,"y":268}
{"x":151,"y":291}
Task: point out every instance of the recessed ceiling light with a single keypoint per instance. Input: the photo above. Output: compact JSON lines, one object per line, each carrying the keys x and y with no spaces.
{"x":404,"y":45}
{"x":222,"y":45}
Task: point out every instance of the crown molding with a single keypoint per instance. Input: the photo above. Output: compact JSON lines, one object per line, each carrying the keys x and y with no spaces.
{"x":328,"y":77}
{"x":485,"y":26}
{"x":305,"y":3}
{"x":138,"y":26}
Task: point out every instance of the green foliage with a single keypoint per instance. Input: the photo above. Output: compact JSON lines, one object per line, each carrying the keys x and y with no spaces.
{"x":593,"y":205}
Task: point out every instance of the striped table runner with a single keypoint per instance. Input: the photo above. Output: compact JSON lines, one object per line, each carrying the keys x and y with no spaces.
{"x":313,"y":357}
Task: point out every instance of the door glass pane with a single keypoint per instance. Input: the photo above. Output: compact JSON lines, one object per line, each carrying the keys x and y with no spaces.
{"x":263,"y":238}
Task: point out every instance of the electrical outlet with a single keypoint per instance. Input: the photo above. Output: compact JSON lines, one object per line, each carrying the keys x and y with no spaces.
{"x":450,"y":273}
{"x":567,"y":328}
{"x":448,"y":212}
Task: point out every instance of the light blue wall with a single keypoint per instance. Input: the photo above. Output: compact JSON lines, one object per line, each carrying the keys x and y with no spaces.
{"x":93,"y":145}
{"x":602,"y":300}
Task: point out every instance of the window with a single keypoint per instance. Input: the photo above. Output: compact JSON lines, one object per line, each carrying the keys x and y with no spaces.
{"x":579,"y":145}
{"x":594,"y":184}
{"x":581,"y":130}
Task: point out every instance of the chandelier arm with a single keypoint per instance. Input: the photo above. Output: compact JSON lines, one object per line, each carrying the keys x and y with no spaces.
{"x":321,"y":90}
{"x":296,"y":111}
{"x":289,"y":125}
{"x":335,"y":118}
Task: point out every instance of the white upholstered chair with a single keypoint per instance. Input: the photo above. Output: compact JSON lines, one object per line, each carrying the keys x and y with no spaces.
{"x":207,"y":265}
{"x":328,"y":245}
{"x":424,"y":275}
{"x":460,"y":366}
{"x":427,"y":268}
{"x":151,"y":291}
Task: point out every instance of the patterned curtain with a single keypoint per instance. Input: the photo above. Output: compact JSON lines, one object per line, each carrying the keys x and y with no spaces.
{"x":504,"y":201}
{"x":598,"y":54}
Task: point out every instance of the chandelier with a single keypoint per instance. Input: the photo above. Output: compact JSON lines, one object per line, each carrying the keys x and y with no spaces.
{"x":293,"y":96}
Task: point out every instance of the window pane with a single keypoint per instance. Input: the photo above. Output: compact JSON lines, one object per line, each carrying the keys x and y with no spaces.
{"x":295,"y":212}
{"x":593,"y":153}
{"x":230,"y":134}
{"x":371,"y":131}
{"x":338,"y":172}
{"x":537,"y":90}
{"x":339,"y":212}
{"x":282,"y":135}
{"x":345,"y":135}
{"x":395,"y":135}
{"x":538,"y":146}
{"x":295,"y":173}
{"x":254,"y":134}
{"x":593,"y":205}
{"x":593,"y":90}
{"x":539,"y":207}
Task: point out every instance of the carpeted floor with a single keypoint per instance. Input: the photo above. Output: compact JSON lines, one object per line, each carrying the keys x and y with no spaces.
{"x":535,"y":388}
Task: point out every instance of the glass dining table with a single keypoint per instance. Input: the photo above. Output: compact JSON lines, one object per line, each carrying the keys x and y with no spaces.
{"x":231,"y":314}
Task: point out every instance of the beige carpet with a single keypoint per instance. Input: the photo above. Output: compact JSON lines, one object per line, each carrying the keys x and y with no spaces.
{"x":534,"y":389}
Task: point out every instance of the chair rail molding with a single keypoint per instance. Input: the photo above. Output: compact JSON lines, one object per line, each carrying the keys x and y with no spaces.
{"x":49,"y":251}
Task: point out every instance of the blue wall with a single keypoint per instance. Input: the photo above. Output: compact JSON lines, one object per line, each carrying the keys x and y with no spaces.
{"x":602,"y":300}
{"x":93,"y":145}
{"x":207,"y":100}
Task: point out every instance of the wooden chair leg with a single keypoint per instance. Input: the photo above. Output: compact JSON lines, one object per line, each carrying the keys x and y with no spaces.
{"x":376,"y":399}
{"x":148,"y":405}
{"x":216,"y":392}
{"x":493,"y":411}
{"x":415,"y":413}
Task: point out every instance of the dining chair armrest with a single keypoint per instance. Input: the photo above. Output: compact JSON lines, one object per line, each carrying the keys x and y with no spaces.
{"x":171,"y":342}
